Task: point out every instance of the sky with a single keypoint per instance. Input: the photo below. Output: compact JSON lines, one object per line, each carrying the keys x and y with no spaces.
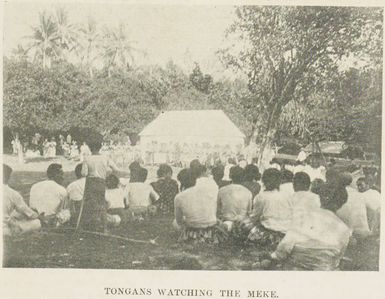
{"x":183,"y":33}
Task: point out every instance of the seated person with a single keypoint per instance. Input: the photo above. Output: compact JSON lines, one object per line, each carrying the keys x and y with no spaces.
{"x":251,"y":178}
{"x":218,"y":173}
{"x":317,"y":242}
{"x":333,"y":193}
{"x":353,"y":213}
{"x":302,"y":198}
{"x":115,"y":198}
{"x":195,"y":213}
{"x":372,"y":199}
{"x":234,"y":200}
{"x":204,"y":182}
{"x":75,"y":192}
{"x":185,"y":179}
{"x":167,"y":188}
{"x":17,"y":216}
{"x":286,"y":186}
{"x":49,"y":197}
{"x":139,"y":195}
{"x":271,"y":216}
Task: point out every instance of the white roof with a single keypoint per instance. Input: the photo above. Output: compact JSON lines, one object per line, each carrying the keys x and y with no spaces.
{"x":208,"y":123}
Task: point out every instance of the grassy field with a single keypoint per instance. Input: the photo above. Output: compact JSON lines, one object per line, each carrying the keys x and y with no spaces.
{"x":58,"y":249}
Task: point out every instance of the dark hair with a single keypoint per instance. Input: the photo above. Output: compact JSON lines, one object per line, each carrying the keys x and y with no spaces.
{"x":163,"y":170}
{"x":134,"y":165}
{"x":112,"y":182}
{"x":237,"y":174}
{"x":332,"y":176}
{"x":186,"y":179}
{"x":252,"y":173}
{"x":317,"y":185}
{"x":7,"y":171}
{"x":78,"y":170}
{"x":333,"y":196}
{"x":346,"y":179}
{"x":271,"y":178}
{"x":218,"y":172}
{"x":142,"y":174}
{"x":301,"y":181}
{"x":53,"y":170}
{"x":197,"y":169}
{"x":286,"y":176}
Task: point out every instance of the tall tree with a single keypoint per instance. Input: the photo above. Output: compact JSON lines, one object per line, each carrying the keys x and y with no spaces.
{"x":45,"y":43}
{"x":88,"y":45}
{"x":287,"y":54}
{"x":67,"y":33}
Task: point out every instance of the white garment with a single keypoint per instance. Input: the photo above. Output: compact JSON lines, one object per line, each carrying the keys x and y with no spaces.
{"x":302,"y":156}
{"x":208,"y":186}
{"x":115,"y":198}
{"x":140,"y":195}
{"x":97,"y":166}
{"x":315,"y":173}
{"x":235,"y":202}
{"x":273,"y":209}
{"x":47,"y":197}
{"x":286,"y":189}
{"x":372,"y":199}
{"x":75,"y":190}
{"x":354,"y":214}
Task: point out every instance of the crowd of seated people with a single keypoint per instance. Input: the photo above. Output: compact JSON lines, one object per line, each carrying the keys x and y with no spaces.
{"x":302,"y":220}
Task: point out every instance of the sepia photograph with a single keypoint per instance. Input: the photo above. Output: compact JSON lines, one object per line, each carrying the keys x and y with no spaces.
{"x":192,"y":137}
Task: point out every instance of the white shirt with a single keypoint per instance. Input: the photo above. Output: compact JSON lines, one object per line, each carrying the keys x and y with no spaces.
{"x":317,"y":243}
{"x":372,"y":199}
{"x":115,"y":198}
{"x":75,"y":190}
{"x":301,"y":203}
{"x":97,"y":166}
{"x":140,"y":195}
{"x":273,"y":210}
{"x":302,"y":156}
{"x":195,"y":208}
{"x":47,"y":197}
{"x":207,"y":186}
{"x":286,"y":189}
{"x":235,"y":202}
{"x":13,"y":201}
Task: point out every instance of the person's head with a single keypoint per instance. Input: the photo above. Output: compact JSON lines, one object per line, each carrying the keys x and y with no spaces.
{"x":112,"y":182}
{"x":186,"y":179}
{"x":197,"y":169}
{"x":271,"y":179}
{"x":252,"y":173}
{"x":236,"y":174}
{"x":314,"y":163}
{"x":164,"y":171}
{"x":362,"y":185}
{"x":286,"y":176}
{"x":55,"y":173}
{"x":78,"y":171}
{"x":317,"y":185}
{"x":218,"y":172}
{"x":195,"y":163}
{"x":346,"y":179}
{"x":142,"y":174}
{"x":7,"y":171}
{"x":332,"y":176}
{"x":231,"y":160}
{"x":301,"y":181}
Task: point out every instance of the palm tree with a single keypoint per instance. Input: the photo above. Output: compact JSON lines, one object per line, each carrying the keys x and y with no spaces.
{"x":88,"y":44}
{"x":45,"y":40}
{"x":117,"y":49}
{"x":68,"y":34}
{"x":20,"y":53}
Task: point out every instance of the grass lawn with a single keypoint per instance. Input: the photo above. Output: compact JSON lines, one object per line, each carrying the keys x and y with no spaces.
{"x":58,"y":249}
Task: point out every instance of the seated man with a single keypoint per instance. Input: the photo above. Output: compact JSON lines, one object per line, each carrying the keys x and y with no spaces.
{"x":115,"y":197}
{"x":49,"y":197}
{"x":286,"y":186}
{"x":140,"y":196}
{"x":317,"y":242}
{"x":75,"y":192}
{"x":195,"y":213}
{"x":372,"y":199}
{"x":302,"y":199}
{"x":17,"y":216}
{"x":234,"y":200}
{"x":353,"y":212}
{"x":251,"y":178}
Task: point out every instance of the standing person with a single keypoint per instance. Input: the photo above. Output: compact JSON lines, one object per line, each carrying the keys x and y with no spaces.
{"x":74,"y":150}
{"x":45,"y":148}
{"x":95,"y":167}
{"x":234,"y":200}
{"x":69,"y":139}
{"x":49,"y":197}
{"x":84,"y":151}
{"x":17,"y":216}
{"x":251,"y":178}
{"x":52,"y":148}
{"x":167,"y":188}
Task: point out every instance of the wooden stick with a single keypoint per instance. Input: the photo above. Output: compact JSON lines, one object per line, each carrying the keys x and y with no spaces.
{"x":153,"y":241}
